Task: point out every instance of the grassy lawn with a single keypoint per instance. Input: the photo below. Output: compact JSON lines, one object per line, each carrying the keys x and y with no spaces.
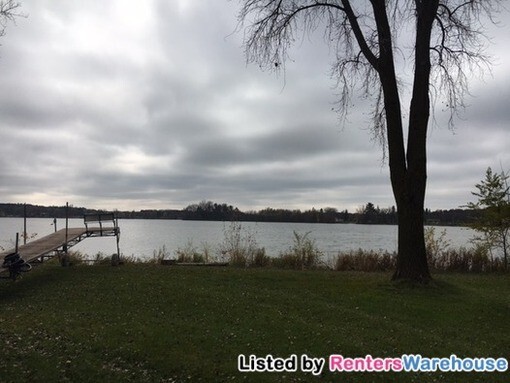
{"x":150,"y":323}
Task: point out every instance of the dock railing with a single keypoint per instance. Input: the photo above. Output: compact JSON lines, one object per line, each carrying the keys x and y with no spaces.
{"x":108,"y":226}
{"x":106,"y":221}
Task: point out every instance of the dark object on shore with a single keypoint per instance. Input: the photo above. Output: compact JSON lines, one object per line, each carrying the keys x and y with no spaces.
{"x":15,"y":263}
{"x":115,"y":260}
{"x":173,"y":262}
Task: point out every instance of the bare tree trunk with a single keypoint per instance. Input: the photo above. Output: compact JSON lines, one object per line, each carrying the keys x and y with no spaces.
{"x":412,"y":256}
{"x":409,"y":171}
{"x":409,"y":186}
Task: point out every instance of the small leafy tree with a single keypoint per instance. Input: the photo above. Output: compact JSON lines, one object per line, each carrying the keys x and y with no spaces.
{"x":493,"y":207}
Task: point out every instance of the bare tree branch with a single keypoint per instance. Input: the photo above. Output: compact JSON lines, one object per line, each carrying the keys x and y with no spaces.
{"x":458,"y":48}
{"x":8,"y":12}
{"x":275,"y":25}
{"x":358,"y":33}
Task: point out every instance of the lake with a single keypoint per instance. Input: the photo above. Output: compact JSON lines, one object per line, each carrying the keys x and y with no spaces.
{"x":140,"y":238}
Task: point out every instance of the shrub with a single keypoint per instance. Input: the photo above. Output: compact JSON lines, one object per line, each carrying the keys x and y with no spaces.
{"x":189,"y":254}
{"x":261,"y":259}
{"x":286,"y":261}
{"x":435,"y":246}
{"x":76,"y":257}
{"x":362,"y":260}
{"x":101,"y":259}
{"x":480,"y":259}
{"x":303,"y":254}
{"x":240,"y":248}
{"x":72,"y":258}
{"x":159,"y":255}
{"x":442,"y":258}
{"x":206,"y":252}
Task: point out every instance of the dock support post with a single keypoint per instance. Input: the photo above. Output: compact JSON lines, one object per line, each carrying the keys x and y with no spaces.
{"x":67,"y":221}
{"x":118,"y":247}
{"x":116,"y":258}
{"x":25,"y":224}
{"x":117,"y":234}
{"x":65,"y":259}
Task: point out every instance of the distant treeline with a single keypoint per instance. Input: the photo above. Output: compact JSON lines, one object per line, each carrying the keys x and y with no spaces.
{"x":36,"y":211}
{"x":210,"y":211}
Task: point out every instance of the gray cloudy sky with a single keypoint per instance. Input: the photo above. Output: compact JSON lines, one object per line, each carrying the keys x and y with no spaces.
{"x":150,"y":104}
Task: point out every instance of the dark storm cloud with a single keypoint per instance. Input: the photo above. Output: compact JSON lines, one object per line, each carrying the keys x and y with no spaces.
{"x":293,"y":143}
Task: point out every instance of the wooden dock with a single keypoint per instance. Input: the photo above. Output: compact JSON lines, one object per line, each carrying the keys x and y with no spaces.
{"x":58,"y":243}
{"x":50,"y":245}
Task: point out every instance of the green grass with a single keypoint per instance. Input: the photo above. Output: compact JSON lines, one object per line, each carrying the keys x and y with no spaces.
{"x":150,"y":323}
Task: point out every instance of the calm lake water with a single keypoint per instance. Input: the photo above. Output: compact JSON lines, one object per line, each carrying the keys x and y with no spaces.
{"x":141,"y":238}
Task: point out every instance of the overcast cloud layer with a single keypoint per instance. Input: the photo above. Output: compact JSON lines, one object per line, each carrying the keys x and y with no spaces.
{"x":151,"y":105}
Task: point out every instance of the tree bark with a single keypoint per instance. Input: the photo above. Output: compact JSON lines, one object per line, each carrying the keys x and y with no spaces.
{"x":412,"y":256}
{"x":410,"y":196}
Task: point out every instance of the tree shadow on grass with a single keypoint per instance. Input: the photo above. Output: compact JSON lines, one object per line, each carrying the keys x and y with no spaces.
{"x":436,"y":287}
